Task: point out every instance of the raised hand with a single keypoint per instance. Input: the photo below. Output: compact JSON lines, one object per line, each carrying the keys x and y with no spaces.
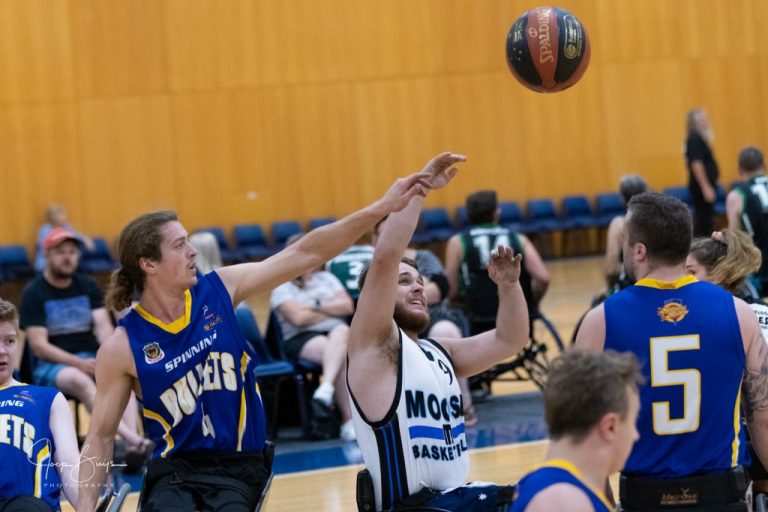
{"x":441,"y":169}
{"x":504,"y":266}
{"x":402,"y":190}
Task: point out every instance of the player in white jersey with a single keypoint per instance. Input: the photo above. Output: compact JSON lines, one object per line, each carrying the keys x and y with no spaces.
{"x":406,"y":401}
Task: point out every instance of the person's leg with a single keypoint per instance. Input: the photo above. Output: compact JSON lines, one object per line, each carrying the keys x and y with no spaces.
{"x":76,"y":383}
{"x":448,"y":329}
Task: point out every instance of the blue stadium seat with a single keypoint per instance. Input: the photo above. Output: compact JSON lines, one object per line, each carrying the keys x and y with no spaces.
{"x":609,"y":205}
{"x":320,"y":221}
{"x":682,"y":193}
{"x":720,"y":201}
{"x":462,"y":221}
{"x":578,"y":213}
{"x":542,"y":216}
{"x":99,"y":259}
{"x":251,"y":242}
{"x":434,"y":226}
{"x":15,"y":263}
{"x":227,"y":255}
{"x":511,"y":217}
{"x":271,"y":372}
{"x":282,"y":230}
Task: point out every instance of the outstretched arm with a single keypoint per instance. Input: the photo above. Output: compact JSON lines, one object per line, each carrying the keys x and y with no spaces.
{"x":373,"y":335}
{"x":113,"y":389}
{"x":319,"y":245}
{"x":475,"y":354}
{"x":65,"y":441}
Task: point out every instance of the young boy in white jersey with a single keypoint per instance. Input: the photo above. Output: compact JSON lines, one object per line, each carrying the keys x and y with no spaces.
{"x":406,"y":400}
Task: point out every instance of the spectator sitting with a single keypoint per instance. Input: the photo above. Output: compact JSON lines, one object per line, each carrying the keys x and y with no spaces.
{"x":208,"y":254}
{"x":55,"y":217}
{"x":64,"y":317}
{"x":312,"y":311}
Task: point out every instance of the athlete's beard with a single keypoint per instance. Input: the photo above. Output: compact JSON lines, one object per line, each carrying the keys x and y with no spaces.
{"x":409,"y":320}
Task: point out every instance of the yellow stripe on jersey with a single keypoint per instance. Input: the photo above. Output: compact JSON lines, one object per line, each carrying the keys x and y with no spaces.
{"x":41,"y":456}
{"x":167,"y":436}
{"x":11,"y":384}
{"x":736,"y":429}
{"x":569,"y":467}
{"x":177,"y":325}
{"x":244,"y":360}
{"x":666,"y":285}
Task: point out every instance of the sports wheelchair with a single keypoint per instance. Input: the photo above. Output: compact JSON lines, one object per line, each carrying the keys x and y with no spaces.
{"x":532,"y":363}
{"x":113,"y":501}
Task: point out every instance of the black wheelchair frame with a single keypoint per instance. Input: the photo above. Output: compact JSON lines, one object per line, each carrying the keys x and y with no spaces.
{"x":532,"y":363}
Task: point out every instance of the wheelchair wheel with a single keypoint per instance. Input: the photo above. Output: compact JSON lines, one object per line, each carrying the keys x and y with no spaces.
{"x":544,"y":332}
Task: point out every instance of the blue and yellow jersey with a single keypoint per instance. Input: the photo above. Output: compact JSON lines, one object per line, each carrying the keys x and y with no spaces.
{"x":553,"y":472}
{"x":26,"y":444}
{"x":687,"y":338}
{"x":196,"y":375}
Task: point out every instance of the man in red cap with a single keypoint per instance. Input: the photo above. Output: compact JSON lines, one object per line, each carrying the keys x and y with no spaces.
{"x":63,"y":314}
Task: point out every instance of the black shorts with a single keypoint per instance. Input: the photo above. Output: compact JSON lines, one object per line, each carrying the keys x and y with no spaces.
{"x":207,"y":481}
{"x":294,"y":345}
{"x":24,"y":504}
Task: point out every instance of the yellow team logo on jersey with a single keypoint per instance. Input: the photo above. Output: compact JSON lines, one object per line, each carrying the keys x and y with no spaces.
{"x":672,"y":311}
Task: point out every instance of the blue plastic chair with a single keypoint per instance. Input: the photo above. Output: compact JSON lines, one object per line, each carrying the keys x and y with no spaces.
{"x":319,"y":222}
{"x":511,"y":217}
{"x":578,"y":212}
{"x":15,"y":263}
{"x":720,"y":200}
{"x":434,"y":226}
{"x":282,"y":231}
{"x":682,"y":193}
{"x":227,"y":255}
{"x":273,"y":372}
{"x":542,"y":214}
{"x":251,"y":242}
{"x":99,"y":259}
{"x":609,"y":205}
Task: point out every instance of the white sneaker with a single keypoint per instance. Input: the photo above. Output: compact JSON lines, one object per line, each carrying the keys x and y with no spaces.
{"x":347,"y":432}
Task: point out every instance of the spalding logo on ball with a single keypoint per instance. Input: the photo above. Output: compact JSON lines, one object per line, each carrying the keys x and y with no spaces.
{"x":547,"y":49}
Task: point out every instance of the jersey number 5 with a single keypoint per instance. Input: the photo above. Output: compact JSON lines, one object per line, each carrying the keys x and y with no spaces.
{"x":689,"y":378}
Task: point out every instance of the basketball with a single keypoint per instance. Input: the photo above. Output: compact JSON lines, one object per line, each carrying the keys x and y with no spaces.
{"x":547,"y":49}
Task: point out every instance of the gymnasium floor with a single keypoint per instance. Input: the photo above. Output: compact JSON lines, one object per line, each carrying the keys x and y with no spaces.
{"x":320,"y":476}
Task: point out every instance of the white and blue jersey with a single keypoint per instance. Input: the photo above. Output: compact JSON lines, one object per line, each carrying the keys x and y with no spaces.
{"x":421,"y":440}
{"x":26,"y":444}
{"x":197,"y":377}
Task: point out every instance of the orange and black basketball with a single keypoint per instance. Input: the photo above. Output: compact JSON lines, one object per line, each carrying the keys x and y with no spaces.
{"x":547,"y":49}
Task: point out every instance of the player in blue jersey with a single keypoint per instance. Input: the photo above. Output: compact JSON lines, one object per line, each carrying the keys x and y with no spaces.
{"x":407,"y":407}
{"x":591,"y":405}
{"x":697,"y":343}
{"x":38,"y":446}
{"x":182,"y":353}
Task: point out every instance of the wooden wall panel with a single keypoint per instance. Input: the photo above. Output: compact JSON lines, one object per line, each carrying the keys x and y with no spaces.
{"x":39,"y":165}
{"x":127,"y":161}
{"x":238,"y":111}
{"x":118,"y":48}
{"x":35,"y":51}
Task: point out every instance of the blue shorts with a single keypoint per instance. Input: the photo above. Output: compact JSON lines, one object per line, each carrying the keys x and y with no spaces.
{"x":45,"y":372}
{"x":472,"y":497}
